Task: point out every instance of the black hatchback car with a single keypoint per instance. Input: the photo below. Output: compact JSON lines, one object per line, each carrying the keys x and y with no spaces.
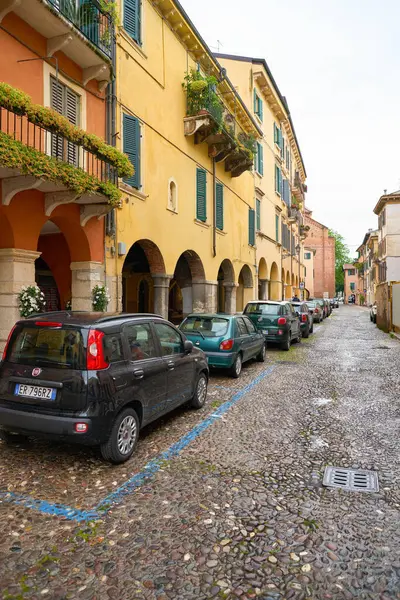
{"x":306,"y":318}
{"x":96,"y":379}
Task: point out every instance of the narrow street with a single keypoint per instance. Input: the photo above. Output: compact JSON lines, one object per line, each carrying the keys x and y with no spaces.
{"x":233,"y":506}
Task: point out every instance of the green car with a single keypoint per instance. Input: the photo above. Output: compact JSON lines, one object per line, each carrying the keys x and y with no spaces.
{"x":277,"y":321}
{"x":227,"y":340}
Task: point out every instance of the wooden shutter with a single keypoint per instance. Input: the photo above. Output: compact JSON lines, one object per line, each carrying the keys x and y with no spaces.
{"x":132,"y":19}
{"x":201,"y":195}
{"x":261,"y":114}
{"x":261,"y":159}
{"x":57,"y":103}
{"x":255,"y":102}
{"x":258,"y":214}
{"x":252,"y":232}
{"x":277,"y":228}
{"x":219,"y":208}
{"x":131,"y":135}
{"x":72,"y":114}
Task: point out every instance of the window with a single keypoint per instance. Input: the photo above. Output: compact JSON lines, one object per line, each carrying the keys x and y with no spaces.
{"x":277,"y":228}
{"x":140,"y":341}
{"x":287,"y":158}
{"x":250,"y":327}
{"x":258,"y":105}
{"x":352,"y":287}
{"x":277,"y":135}
{"x":219,"y":206}
{"x":286,"y":192}
{"x":283,"y":148}
{"x":201,"y":195}
{"x":258,"y":214}
{"x":113,"y":348}
{"x":131,"y":147}
{"x":263,"y":309}
{"x":241,"y":327}
{"x":307,"y":255}
{"x":278,"y":180}
{"x":170,"y":340}
{"x":351,"y":272}
{"x":132,"y":19}
{"x":67,"y":103}
{"x":259,"y":159}
{"x":252,"y":233}
{"x":205,"y":326}
{"x":172,"y":196}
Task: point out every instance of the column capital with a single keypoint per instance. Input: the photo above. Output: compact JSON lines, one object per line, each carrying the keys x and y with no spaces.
{"x":230,"y":284}
{"x":85,"y":265}
{"x":161,"y":280}
{"x":18,"y":255}
{"x":204,"y":282}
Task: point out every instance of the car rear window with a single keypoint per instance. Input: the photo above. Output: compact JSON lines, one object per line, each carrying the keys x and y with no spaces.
{"x":47,"y":347}
{"x":206,"y":326}
{"x":312,"y":304}
{"x":263,"y":309}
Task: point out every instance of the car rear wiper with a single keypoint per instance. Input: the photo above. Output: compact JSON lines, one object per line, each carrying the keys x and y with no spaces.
{"x":199,"y":332}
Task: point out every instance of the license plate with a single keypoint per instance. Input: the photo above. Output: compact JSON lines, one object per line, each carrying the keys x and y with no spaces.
{"x":35,"y":391}
{"x":265,"y":331}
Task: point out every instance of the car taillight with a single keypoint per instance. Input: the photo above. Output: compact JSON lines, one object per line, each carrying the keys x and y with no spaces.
{"x":47,"y":324}
{"x":304,"y":318}
{"x":316,"y":310}
{"x":95,"y":359}
{"x":282,"y":321}
{"x":7,"y":343}
{"x":226,"y":345}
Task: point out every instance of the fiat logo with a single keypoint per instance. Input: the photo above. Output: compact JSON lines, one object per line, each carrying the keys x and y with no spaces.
{"x":36,"y":371}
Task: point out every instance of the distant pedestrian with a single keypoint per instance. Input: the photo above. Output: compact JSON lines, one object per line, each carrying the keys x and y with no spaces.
{"x":295,"y":299}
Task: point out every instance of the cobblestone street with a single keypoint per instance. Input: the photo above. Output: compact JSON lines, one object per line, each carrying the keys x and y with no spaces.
{"x":226,"y":502}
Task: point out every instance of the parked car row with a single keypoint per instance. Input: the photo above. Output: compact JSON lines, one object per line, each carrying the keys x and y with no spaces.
{"x":98,"y":379}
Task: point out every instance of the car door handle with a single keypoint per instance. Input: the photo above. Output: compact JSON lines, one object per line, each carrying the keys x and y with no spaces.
{"x":171,"y":366}
{"x":138,"y":374}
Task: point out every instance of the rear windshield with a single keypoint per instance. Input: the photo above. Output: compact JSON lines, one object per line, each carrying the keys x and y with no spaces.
{"x":206,"y":326}
{"x":263,"y":309}
{"x":312,"y":304}
{"x":58,"y":348}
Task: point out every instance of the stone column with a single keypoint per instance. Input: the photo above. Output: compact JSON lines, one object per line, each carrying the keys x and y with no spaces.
{"x":204,"y":296}
{"x":17,"y":269}
{"x":264,"y":289}
{"x":230,"y":297}
{"x":85,"y":275}
{"x":161,"y":294}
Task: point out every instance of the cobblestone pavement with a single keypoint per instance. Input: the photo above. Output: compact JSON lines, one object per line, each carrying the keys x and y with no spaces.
{"x":241,"y":512}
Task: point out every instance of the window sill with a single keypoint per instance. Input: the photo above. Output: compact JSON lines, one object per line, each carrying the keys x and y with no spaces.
{"x":124,"y":187}
{"x":220,"y":231}
{"x":202,"y":223}
{"x":172,"y":210}
{"x":135,"y":45}
{"x":258,"y":118}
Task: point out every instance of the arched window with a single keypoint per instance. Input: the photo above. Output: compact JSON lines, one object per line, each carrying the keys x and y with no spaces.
{"x":172,"y":195}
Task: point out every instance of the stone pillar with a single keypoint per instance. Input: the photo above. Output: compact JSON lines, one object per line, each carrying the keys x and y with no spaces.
{"x":17,"y":269}
{"x":161,"y":294}
{"x":205,"y":296}
{"x":264,"y":289}
{"x":85,"y":275}
{"x":230,"y":297}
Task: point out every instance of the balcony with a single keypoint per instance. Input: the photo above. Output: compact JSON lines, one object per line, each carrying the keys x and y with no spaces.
{"x":82,"y":30}
{"x":298,"y":188}
{"x":40,"y":149}
{"x":210,"y":122}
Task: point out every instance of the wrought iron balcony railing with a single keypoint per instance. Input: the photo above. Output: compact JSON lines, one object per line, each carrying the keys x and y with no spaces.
{"x":93,"y":22}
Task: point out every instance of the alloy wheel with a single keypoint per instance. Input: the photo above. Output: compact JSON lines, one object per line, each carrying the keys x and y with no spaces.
{"x":127,"y":433}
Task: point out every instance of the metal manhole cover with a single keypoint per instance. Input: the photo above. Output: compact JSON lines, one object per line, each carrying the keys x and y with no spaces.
{"x":353,"y":480}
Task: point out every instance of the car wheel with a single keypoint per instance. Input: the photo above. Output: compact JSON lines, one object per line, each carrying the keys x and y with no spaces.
{"x":286,"y":344}
{"x":307,"y":332}
{"x":200,"y":394}
{"x":261,"y":355}
{"x":12,"y":438}
{"x":298,"y":338}
{"x":236,"y":368}
{"x":123,"y":437}
{"x":312,"y":328}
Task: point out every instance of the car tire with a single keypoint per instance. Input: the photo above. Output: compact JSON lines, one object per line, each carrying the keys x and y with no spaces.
{"x":307,"y":332}
{"x":261,"y":355}
{"x":200,"y":394}
{"x":286,"y":344}
{"x":12,"y":438}
{"x":123,"y":437}
{"x":236,"y":368}
{"x":297,"y":339}
{"x":312,"y":328}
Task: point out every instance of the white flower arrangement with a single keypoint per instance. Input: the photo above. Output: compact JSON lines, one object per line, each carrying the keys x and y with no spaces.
{"x":100,"y":298}
{"x":30,"y":300}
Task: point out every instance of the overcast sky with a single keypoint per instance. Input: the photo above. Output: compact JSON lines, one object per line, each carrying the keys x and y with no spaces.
{"x":338,"y":64}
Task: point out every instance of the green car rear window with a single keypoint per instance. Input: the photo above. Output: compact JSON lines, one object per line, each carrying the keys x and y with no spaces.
{"x":263,"y":309}
{"x":47,"y":347}
{"x":206,"y":326}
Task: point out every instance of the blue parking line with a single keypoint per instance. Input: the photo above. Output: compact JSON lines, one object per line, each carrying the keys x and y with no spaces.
{"x":148,"y":471}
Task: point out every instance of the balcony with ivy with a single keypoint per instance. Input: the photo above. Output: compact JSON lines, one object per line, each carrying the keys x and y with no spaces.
{"x":209,"y":121}
{"x":81,"y":29}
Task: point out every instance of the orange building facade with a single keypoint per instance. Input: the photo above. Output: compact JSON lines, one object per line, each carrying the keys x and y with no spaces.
{"x":323,"y":246}
{"x":51,"y":227}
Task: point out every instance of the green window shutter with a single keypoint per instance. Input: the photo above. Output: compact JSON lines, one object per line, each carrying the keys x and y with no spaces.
{"x":132,"y":19}
{"x":258,"y":214}
{"x":277,"y":228}
{"x":261,"y":114}
{"x":219,"y":208}
{"x":283,"y":148}
{"x":261,"y":159}
{"x":201,"y":195}
{"x":131,"y":146}
{"x":275,"y":134}
{"x":255,"y":101}
{"x":252,"y":232}
{"x":277,"y":179}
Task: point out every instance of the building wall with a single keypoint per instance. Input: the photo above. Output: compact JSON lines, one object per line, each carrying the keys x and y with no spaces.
{"x":350,"y":280}
{"x":309,"y":271}
{"x":324,"y":260}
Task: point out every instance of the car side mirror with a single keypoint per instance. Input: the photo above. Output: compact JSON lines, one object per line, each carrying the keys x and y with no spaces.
{"x":188,"y":346}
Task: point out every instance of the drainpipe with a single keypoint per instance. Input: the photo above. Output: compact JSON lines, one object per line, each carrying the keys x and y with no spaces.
{"x":291,"y":256}
{"x":214,"y":210}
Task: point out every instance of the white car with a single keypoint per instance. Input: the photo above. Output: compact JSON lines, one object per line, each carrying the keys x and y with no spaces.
{"x":372,"y":312}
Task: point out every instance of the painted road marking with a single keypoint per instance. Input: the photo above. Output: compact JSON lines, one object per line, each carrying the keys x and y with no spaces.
{"x":143,"y":476}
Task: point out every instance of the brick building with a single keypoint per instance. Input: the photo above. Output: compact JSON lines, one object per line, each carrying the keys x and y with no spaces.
{"x":319,"y":240}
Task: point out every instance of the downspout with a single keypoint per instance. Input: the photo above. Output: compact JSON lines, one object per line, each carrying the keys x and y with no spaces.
{"x":291,"y":256}
{"x":214,"y":210}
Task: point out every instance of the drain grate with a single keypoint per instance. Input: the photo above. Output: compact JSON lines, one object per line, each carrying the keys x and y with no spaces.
{"x":353,"y":480}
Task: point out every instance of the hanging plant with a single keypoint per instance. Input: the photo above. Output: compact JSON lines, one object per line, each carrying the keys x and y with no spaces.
{"x":201,"y":95}
{"x":100,"y":298}
{"x":30,"y":301}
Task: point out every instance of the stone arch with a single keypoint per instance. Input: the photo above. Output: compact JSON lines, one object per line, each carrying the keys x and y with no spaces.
{"x":153,"y":254}
{"x":142,"y":272}
{"x":274,"y":283}
{"x":288,"y":289}
{"x":245,"y":291}
{"x":188,"y":291}
{"x":262,"y":269}
{"x":226,"y":291}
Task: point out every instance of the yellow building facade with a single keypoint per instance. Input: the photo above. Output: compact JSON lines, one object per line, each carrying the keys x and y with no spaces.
{"x":182,"y":239}
{"x":279,"y":180}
